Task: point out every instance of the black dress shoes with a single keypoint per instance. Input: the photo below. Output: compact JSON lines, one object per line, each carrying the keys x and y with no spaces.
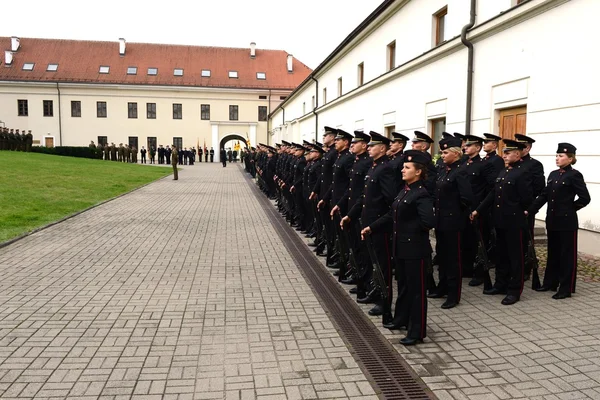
{"x":494,"y":291}
{"x":436,"y":295}
{"x":546,"y":288}
{"x":313,"y":244}
{"x":392,"y":326}
{"x":510,"y":300}
{"x":377,"y":310}
{"x":348,"y":281}
{"x":475,"y":282}
{"x":354,"y":290}
{"x":367,"y":299}
{"x":336,"y":272}
{"x":560,"y":296}
{"x":410,"y":341}
{"x":449,"y":304}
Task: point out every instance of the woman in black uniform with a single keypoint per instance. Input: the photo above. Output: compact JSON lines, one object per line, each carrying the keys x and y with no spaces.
{"x":561,"y":221}
{"x":453,"y":197}
{"x":412,"y":216}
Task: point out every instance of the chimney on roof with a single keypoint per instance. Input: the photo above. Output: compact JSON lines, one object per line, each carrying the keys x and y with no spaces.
{"x":8,"y":58}
{"x":290,"y":60}
{"x":15,"y":43}
{"x":252,"y":50}
{"x":122,"y":46}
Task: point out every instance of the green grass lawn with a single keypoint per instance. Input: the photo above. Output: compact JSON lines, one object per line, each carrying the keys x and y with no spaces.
{"x":36,"y":189}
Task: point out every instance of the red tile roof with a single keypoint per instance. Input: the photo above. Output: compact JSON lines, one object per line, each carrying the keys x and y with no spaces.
{"x":80,"y":61}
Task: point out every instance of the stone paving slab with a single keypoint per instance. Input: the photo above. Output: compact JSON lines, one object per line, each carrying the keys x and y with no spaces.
{"x":179,"y":290}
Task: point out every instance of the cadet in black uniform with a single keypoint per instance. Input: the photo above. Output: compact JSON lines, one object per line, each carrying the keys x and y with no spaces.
{"x":379,"y":193}
{"x":490,"y":146}
{"x":480,"y":175}
{"x":296,"y":186}
{"x":452,"y":206}
{"x":511,"y":197}
{"x":412,"y":217}
{"x":561,"y":221}
{"x":395,"y":155}
{"x":422,"y":142}
{"x":463,"y":142}
{"x":318,"y":192}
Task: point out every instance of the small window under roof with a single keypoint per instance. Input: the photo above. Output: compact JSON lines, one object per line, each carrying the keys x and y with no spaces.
{"x":261,"y":75}
{"x":28,"y":66}
{"x":131,"y":70}
{"x":178,"y":72}
{"x":152,"y":71}
{"x":104,"y":69}
{"x":233,"y":74}
{"x":206,"y":73}
{"x":52,"y":67}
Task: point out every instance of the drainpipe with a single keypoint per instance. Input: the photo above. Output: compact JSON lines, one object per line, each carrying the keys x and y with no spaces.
{"x":59,"y":116}
{"x":469,"y":45}
{"x":315,"y":109}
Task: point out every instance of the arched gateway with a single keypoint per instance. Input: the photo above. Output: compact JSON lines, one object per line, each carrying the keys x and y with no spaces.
{"x":232,"y":136}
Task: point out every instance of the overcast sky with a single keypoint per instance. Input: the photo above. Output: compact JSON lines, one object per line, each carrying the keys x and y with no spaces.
{"x":308,"y":29}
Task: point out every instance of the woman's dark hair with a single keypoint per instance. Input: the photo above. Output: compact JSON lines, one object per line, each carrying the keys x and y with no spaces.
{"x":423,"y":169}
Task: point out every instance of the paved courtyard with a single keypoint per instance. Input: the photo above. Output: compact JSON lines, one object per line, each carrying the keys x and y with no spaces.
{"x":184,"y":290}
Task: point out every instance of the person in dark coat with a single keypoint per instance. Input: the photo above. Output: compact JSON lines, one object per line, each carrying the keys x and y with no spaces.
{"x":212,"y":154}
{"x":411,"y":217}
{"x":564,"y":184}
{"x":511,"y":197}
{"x":395,"y":155}
{"x":143,"y":154}
{"x":199,"y":154}
{"x":223,"y":157}
{"x":453,"y":200}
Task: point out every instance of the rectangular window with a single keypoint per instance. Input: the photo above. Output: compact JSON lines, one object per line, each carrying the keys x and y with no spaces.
{"x":436,"y":127}
{"x":178,"y":141}
{"x":131,"y":70}
{"x":152,"y":71}
{"x":177,"y":111}
{"x":103,"y":140}
{"x":233,"y":113}
{"x":23,"y":108}
{"x":76,"y":109}
{"x":391,"y":56}
{"x":178,"y":72}
{"x":151,"y":110}
{"x":205,"y":112}
{"x":131,"y":110}
{"x":48,"y":108}
{"x":261,"y":75}
{"x":133,"y":141}
{"x":206,"y":73}
{"x":52,"y":67}
{"x":104,"y":69}
{"x":439,"y":20}
{"x":262,"y":113}
{"x":282,"y":97}
{"x":151,"y":141}
{"x":262,"y":97}
{"x":324,"y":95}
{"x":388,"y":130}
{"x":339,"y":87}
{"x":101,"y":109}
{"x":28,"y":66}
{"x":360,"y":74}
{"x":233,"y":74}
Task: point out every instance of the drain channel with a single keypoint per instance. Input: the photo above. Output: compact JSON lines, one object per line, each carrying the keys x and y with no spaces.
{"x":386,"y":369}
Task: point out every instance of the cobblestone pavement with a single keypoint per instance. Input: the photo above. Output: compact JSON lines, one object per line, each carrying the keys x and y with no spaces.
{"x":180,"y":290}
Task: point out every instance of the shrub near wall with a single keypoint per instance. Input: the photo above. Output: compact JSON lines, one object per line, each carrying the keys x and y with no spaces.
{"x":69,"y":151}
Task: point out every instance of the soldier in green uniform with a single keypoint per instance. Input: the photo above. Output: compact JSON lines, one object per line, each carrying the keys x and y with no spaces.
{"x":113,"y":152}
{"x":134,"y":152}
{"x":28,"y":141}
{"x":174,"y":160}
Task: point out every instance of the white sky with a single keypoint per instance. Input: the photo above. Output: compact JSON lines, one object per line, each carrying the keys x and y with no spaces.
{"x":308,"y":29}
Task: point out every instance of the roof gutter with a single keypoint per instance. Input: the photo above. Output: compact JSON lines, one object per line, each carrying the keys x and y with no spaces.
{"x":315,"y":108}
{"x":469,"y":45}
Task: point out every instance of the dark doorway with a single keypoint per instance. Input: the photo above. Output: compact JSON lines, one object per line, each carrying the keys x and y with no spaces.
{"x":103,"y":140}
{"x":177,"y":141}
{"x":133,"y":141}
{"x":152,"y":142}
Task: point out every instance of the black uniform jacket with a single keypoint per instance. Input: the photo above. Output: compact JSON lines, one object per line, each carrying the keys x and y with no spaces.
{"x":480,"y":176}
{"x":453,"y":198}
{"x":341,"y":177}
{"x":397,"y":163}
{"x":326,"y":172}
{"x":314,"y":174}
{"x":361,"y":166}
{"x":412,"y":217}
{"x":536,"y":169}
{"x":511,"y":196}
{"x":563,"y":185}
{"x":378,"y":195}
{"x":298,"y":169}
{"x":496,"y":166}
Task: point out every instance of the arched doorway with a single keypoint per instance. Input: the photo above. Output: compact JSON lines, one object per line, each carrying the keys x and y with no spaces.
{"x":226,"y":143}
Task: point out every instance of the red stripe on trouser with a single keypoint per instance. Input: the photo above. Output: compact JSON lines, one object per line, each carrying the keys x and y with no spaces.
{"x":459,"y":278}
{"x":574,"y":273}
{"x":423,"y":300}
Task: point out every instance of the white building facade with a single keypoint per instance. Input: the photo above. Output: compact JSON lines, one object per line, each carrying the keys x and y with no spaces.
{"x":405,"y":68}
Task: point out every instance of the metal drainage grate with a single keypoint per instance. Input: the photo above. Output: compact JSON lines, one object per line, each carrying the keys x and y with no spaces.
{"x":392,"y":376}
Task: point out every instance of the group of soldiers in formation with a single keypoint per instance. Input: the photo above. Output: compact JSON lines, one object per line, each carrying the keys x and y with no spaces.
{"x":11,"y":139}
{"x":126,"y":153}
{"x":370,"y":204}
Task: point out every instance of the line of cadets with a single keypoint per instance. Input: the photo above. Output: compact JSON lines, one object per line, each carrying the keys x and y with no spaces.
{"x":396,"y":195}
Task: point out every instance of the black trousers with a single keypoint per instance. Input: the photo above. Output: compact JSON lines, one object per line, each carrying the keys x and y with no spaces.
{"x":531,"y":224}
{"x":411,"y":304}
{"x":299,"y":210}
{"x":450,"y":263}
{"x":224,"y":161}
{"x":511,"y":260}
{"x":469,"y":244}
{"x":562,"y":261}
{"x":327,"y":225}
{"x":143,"y":158}
{"x":212,"y":158}
{"x":381,"y":246}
